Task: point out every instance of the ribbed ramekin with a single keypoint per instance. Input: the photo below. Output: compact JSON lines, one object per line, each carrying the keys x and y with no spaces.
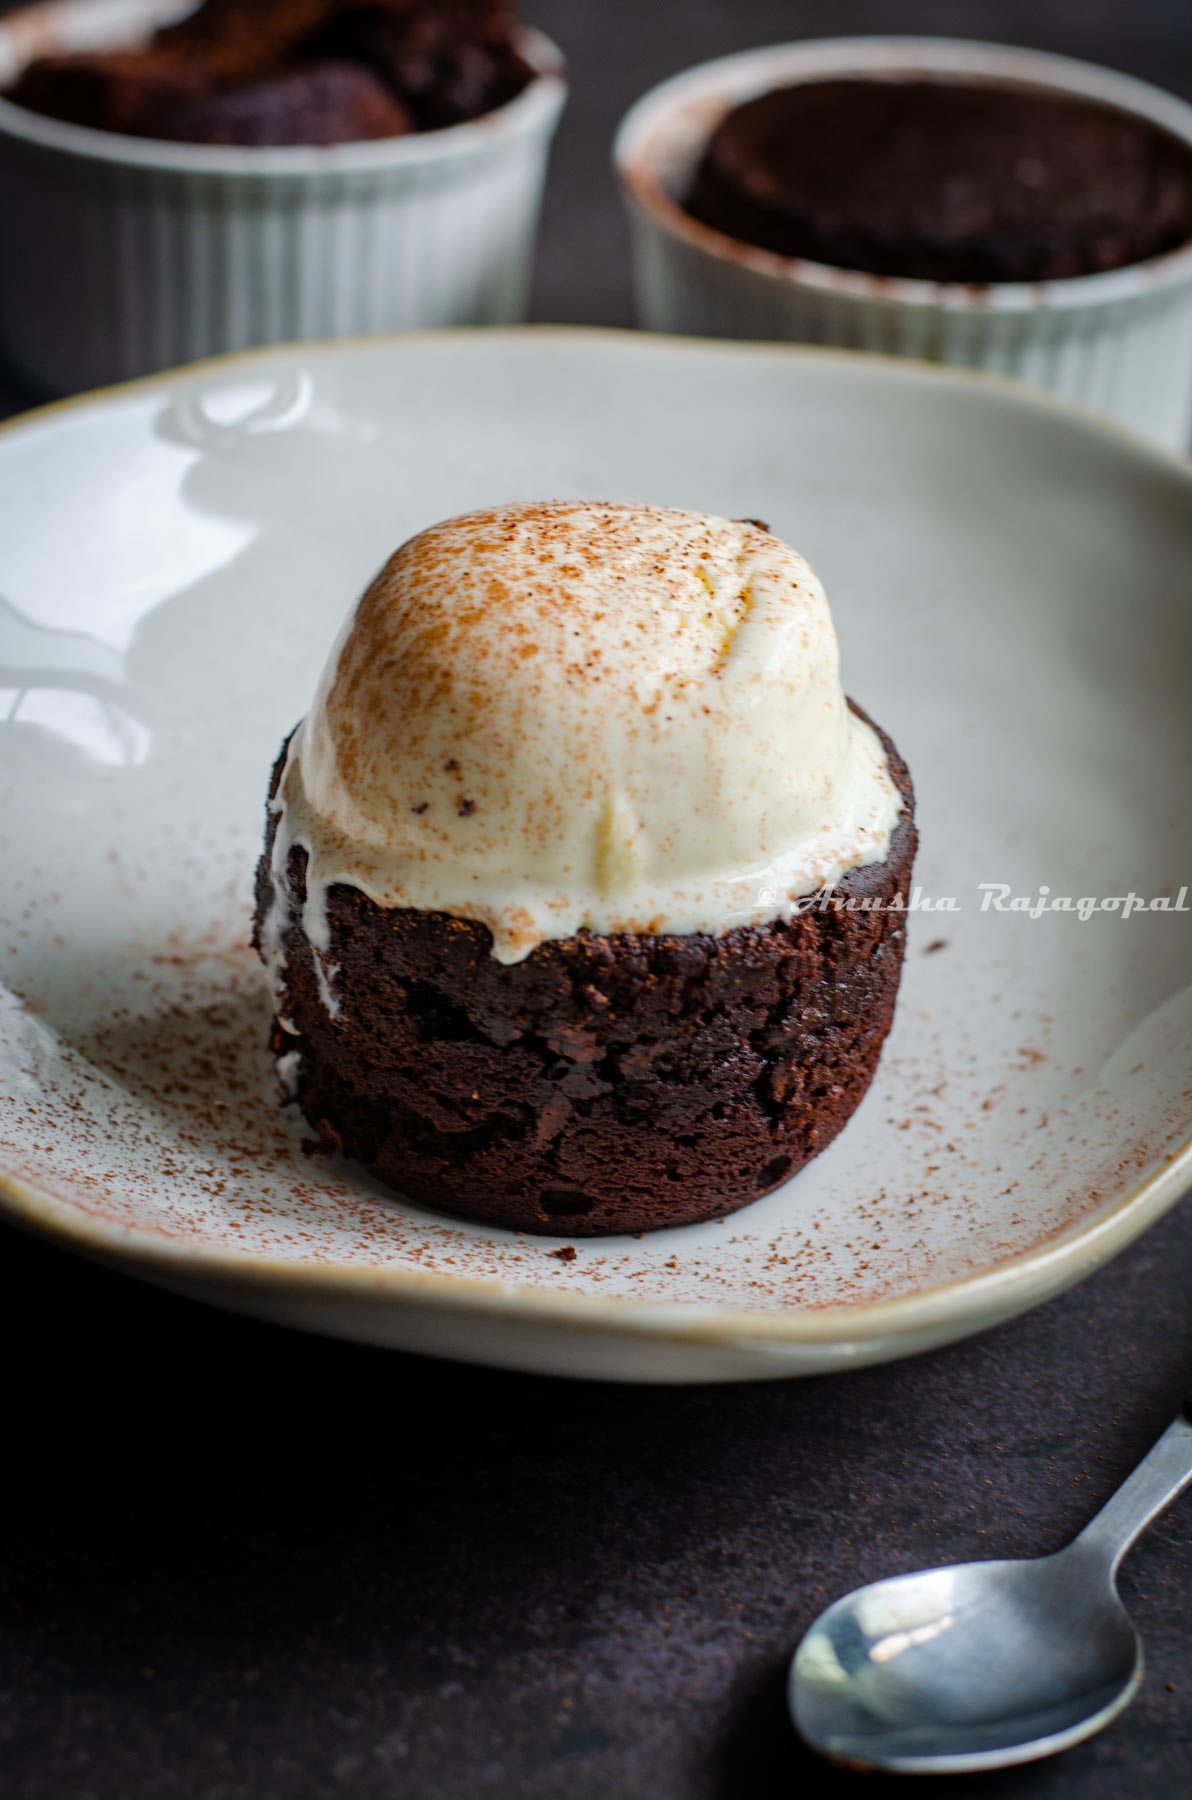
{"x":1119,"y":342}
{"x":122,"y":255}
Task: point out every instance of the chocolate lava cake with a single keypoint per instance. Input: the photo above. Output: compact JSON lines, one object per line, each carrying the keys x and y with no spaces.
{"x":945,"y":180}
{"x":507,"y":1066}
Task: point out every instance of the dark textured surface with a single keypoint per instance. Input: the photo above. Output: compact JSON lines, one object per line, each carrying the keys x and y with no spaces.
{"x":246,"y":1565}
{"x":239,"y":1564}
{"x":605,"y":1084}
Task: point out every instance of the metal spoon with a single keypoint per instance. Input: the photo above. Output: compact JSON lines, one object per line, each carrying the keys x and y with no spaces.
{"x":986,"y":1664}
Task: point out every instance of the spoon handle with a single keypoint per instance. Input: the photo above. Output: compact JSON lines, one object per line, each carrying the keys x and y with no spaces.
{"x":1164,"y":1472}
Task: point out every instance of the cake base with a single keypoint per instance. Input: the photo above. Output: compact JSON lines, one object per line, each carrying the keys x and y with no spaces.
{"x":617,"y":1083}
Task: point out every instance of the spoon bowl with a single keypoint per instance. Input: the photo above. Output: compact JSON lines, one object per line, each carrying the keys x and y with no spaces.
{"x":971,"y":1667}
{"x":983,"y":1665}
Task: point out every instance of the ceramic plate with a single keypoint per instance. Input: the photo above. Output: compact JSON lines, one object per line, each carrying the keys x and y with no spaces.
{"x":1010,"y":583}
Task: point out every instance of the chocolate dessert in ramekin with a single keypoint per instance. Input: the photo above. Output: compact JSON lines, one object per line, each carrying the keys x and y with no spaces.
{"x":953,"y":202}
{"x":290,"y":72}
{"x":584,"y":887}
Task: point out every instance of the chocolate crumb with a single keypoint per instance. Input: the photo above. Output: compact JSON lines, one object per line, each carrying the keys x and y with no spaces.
{"x":421,"y":807}
{"x":935,"y":944}
{"x":466,"y":808}
{"x":566,"y":1254}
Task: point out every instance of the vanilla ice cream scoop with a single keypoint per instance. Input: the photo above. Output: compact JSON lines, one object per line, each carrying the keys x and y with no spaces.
{"x":573,"y":715}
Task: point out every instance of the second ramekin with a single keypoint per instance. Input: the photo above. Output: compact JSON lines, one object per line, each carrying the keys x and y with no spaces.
{"x":123,"y":255}
{"x":1119,"y":342}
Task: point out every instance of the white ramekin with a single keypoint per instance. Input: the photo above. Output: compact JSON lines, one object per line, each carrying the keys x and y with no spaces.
{"x":1120,"y":342}
{"x":122,"y":255}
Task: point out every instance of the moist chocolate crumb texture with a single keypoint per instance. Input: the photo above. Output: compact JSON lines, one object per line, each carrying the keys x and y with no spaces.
{"x":277,"y":72}
{"x":583,"y":893}
{"x":942,"y":180}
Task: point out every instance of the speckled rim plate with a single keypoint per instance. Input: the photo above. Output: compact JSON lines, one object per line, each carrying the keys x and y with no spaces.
{"x":1009,"y":581}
